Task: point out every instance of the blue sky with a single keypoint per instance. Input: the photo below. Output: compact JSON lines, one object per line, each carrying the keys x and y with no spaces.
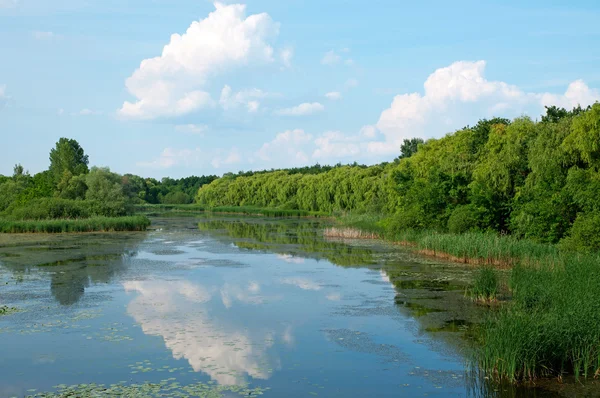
{"x":190,"y":87}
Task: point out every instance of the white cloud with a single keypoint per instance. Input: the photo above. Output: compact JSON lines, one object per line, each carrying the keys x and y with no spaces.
{"x":198,"y":129}
{"x":330,"y":58}
{"x":60,"y":112}
{"x":334,"y":95}
{"x":286,"y":56}
{"x":368,"y":131}
{"x":39,"y":35}
{"x":253,"y":106}
{"x":229,"y":352}
{"x":334,"y":144}
{"x":302,"y":109}
{"x":248,"y":98}
{"x":232,"y":157}
{"x":286,"y":147}
{"x":457,"y":95}
{"x":333,"y":58}
{"x":578,"y":93}
{"x":173,"y":83}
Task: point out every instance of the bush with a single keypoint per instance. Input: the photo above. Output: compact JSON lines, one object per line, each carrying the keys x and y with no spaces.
{"x":584,"y":235}
{"x":176,"y":198}
{"x":466,"y":219}
{"x":56,"y":208}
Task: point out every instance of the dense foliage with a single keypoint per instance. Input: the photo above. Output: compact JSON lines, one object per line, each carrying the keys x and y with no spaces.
{"x":69,"y":189}
{"x":533,"y":179}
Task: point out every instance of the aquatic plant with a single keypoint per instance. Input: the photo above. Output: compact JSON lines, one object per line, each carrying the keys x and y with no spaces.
{"x":551,"y":326}
{"x":485,"y":285}
{"x":165,"y":388}
{"x":94,"y":224}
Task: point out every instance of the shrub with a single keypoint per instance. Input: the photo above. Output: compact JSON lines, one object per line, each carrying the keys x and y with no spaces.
{"x":466,"y":219}
{"x":585,"y":233}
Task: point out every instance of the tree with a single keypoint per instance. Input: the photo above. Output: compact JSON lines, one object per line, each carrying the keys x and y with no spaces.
{"x":67,"y":156}
{"x":410,"y":147}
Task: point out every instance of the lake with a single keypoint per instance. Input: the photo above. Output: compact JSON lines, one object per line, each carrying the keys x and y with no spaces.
{"x":232,"y":306}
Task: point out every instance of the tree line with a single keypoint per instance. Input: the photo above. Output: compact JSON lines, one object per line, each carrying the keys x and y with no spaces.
{"x":535,"y":179}
{"x":71,"y":189}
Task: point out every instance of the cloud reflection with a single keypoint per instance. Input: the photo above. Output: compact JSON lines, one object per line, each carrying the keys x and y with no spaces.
{"x":177,"y":311}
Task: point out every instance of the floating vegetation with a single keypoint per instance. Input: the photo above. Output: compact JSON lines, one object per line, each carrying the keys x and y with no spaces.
{"x":417,"y":310}
{"x":6,"y":310}
{"x":165,"y":388}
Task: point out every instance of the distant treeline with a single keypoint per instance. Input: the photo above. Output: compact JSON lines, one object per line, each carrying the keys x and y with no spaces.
{"x":69,"y":189}
{"x":533,"y":179}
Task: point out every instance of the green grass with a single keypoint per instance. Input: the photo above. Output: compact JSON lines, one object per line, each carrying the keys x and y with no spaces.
{"x":550,"y":326}
{"x":485,"y":286}
{"x":94,"y":224}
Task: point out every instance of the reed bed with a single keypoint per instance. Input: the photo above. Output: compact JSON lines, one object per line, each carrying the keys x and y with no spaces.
{"x":550,"y":325}
{"x":94,"y":224}
{"x":349,"y":233}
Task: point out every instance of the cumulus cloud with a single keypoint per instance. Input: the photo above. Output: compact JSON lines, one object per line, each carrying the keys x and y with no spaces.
{"x":457,"y":94}
{"x":178,"y":312}
{"x":302,"y":109}
{"x":174,"y":83}
{"x":247,"y":98}
{"x":334,"y":144}
{"x":334,"y":95}
{"x":286,"y":147}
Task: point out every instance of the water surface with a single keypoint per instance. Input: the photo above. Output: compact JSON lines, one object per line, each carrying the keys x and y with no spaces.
{"x":205,"y":305}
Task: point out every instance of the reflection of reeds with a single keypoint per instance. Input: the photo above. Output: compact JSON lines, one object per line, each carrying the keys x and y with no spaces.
{"x":94,"y":224}
{"x":349,"y":233}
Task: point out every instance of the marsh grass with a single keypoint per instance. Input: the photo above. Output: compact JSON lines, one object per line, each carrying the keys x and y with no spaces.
{"x":485,"y":285}
{"x":550,"y":327}
{"x":94,"y":224}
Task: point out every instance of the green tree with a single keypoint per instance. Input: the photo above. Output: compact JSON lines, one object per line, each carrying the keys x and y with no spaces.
{"x":67,"y":156}
{"x":410,"y":147}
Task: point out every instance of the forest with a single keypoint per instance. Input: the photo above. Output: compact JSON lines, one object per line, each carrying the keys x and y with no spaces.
{"x":538,"y":180}
{"x":58,"y":199}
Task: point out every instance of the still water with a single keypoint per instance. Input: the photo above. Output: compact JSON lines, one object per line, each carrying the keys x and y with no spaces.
{"x":230,"y":306}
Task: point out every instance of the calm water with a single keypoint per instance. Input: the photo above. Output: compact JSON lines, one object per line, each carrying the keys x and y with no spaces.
{"x":206,"y":305}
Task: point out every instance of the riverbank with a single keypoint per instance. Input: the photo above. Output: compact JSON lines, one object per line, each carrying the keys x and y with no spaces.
{"x":164,"y":209}
{"x":93,"y":224}
{"x":548,"y":327}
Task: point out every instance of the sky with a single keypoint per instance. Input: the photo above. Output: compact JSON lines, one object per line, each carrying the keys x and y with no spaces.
{"x":193,"y":87}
